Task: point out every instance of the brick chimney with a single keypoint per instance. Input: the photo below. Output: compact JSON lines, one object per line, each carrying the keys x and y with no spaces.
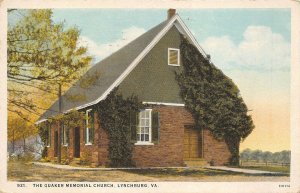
{"x":171,"y":13}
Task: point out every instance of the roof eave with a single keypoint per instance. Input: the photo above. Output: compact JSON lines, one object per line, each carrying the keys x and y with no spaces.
{"x":140,"y":57}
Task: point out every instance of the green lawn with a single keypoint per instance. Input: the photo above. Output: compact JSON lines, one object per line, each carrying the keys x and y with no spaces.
{"x":190,"y":172}
{"x":283,"y":169}
{"x":28,"y":172}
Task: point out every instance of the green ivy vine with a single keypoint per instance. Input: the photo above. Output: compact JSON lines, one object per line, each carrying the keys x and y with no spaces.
{"x":43,"y":133}
{"x":114,"y":116}
{"x":213,"y":99}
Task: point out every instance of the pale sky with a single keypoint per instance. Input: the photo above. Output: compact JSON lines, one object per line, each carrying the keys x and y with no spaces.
{"x":251,"y":46}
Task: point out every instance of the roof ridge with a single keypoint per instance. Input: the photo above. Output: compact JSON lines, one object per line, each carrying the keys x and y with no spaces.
{"x":129,"y":43}
{"x":101,"y":64}
{"x":116,"y":67}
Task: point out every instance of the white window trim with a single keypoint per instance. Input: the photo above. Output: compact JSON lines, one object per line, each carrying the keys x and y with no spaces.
{"x":163,"y":103}
{"x":87,"y":128}
{"x":64,"y":137}
{"x":178,"y":56}
{"x":150,"y":130}
{"x":143,"y":143}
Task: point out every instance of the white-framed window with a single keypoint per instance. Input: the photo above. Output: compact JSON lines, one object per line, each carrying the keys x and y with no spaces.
{"x":144,"y":127}
{"x":89,"y":127}
{"x":173,"y":57}
{"x":65,"y":135}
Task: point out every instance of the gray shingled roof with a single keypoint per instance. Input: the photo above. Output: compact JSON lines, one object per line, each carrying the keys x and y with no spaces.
{"x":109,"y":70}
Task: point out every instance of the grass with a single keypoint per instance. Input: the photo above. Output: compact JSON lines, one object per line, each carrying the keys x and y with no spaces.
{"x":196,"y":172}
{"x":283,"y":169}
{"x":27,"y":172}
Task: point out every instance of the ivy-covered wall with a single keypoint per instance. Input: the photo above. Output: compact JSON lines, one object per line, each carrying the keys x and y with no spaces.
{"x":114,"y":115}
{"x":210,"y":97}
{"x":213,"y":99}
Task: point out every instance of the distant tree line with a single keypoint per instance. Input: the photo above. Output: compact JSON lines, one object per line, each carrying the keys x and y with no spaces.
{"x":265,"y":156}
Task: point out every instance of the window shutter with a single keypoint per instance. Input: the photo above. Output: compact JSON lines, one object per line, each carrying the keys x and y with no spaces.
{"x":62,"y":128}
{"x":84,"y":130}
{"x":133,"y":125}
{"x":91,"y":129}
{"x":92,"y":134}
{"x":155,"y":127}
{"x":68,"y":135}
{"x":50,"y":137}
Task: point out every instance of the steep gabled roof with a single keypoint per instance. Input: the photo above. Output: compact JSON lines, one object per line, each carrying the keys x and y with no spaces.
{"x":113,"y":69}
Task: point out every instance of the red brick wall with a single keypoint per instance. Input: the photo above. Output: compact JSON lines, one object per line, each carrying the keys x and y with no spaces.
{"x":88,"y":153}
{"x":168,"y":152}
{"x":103,"y":146}
{"x":215,"y":150}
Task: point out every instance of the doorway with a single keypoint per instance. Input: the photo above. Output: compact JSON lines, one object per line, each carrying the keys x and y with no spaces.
{"x":192,"y":142}
{"x":77,"y":142}
{"x":55,"y":143}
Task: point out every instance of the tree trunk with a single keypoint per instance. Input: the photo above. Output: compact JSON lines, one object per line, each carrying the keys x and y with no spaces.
{"x":233,"y":142}
{"x":13,"y":142}
{"x":59,"y":126}
{"x":24,"y":143}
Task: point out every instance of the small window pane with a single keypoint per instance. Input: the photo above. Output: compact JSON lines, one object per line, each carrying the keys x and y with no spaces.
{"x":143,"y":122}
{"x":146,"y":130}
{"x":90,"y":136}
{"x":142,"y":137}
{"x":147,"y":122}
{"x":146,"y":137}
{"x":173,"y":57}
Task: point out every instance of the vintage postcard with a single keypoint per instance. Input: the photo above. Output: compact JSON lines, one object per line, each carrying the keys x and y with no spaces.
{"x":150,"y":96}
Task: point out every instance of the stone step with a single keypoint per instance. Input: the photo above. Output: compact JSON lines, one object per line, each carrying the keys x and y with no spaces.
{"x":194,"y":162}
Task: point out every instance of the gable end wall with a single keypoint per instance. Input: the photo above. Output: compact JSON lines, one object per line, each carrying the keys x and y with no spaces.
{"x":153,"y":80}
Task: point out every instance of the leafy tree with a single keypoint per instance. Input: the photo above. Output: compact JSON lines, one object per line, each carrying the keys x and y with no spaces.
{"x":257,"y":155}
{"x":266,"y":156}
{"x":19,"y":129}
{"x":41,"y":55}
{"x":213,"y":99}
{"x":246,"y":154}
{"x":286,"y":156}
